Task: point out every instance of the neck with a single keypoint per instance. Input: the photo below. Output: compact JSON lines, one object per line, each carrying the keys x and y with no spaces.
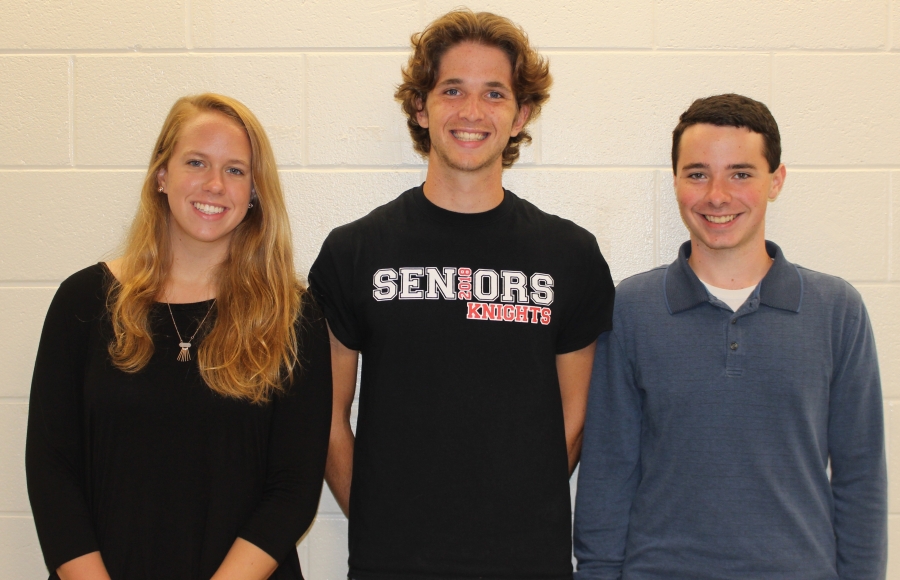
{"x":731,"y":269}
{"x":192,"y":274}
{"x":464,"y":192}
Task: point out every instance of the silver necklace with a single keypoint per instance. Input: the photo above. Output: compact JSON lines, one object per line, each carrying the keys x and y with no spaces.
{"x":185,"y":354}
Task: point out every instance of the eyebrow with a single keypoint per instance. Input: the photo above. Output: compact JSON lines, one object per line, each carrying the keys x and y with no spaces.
{"x":491,"y":84}
{"x":201,"y":154}
{"x":705,"y":166}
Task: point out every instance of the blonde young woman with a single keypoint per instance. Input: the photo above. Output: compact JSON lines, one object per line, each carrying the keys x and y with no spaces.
{"x":181,"y":400}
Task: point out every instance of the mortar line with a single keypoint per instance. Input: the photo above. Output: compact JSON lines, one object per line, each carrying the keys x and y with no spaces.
{"x":890,"y":236}
{"x":304,"y":100}
{"x":656,"y":219}
{"x":71,"y":104}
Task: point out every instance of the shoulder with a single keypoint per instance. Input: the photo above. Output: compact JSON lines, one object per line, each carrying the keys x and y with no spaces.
{"x":824,"y":293}
{"x":86,"y":286}
{"x":376,"y":220}
{"x":82,"y":296}
{"x":560,"y":228}
{"x":641,"y":287}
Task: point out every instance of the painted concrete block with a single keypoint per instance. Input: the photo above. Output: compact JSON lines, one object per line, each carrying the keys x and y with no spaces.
{"x":20,"y":552}
{"x":895,"y":226}
{"x":893,"y":565}
{"x":353,"y":118}
{"x":99,"y":24}
{"x":895,"y":34}
{"x":619,"y":109}
{"x":66,"y":220}
{"x":34,"y":110}
{"x":313,"y":23}
{"x":22,"y":312}
{"x":319,"y":201}
{"x":616,"y":206}
{"x":13,"y":493}
{"x":838,"y":109}
{"x":881,"y":302}
{"x":122,"y":101}
{"x":603,"y":23}
{"x":834,"y":222}
{"x":328,"y":549}
{"x":672,"y":232}
{"x":770,"y":24}
{"x":892,"y":444}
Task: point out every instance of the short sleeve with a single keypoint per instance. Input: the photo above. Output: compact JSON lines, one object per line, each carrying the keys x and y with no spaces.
{"x":331,"y":281}
{"x":589,"y":312}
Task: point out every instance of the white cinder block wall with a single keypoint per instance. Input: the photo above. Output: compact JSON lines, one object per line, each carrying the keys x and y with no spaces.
{"x":85,"y":85}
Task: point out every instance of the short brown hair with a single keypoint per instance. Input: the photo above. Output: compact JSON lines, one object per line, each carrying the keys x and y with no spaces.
{"x":530,"y":72}
{"x":732,"y":110}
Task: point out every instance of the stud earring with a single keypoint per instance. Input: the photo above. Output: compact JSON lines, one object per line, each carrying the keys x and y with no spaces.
{"x":160,"y":189}
{"x":250,"y":205}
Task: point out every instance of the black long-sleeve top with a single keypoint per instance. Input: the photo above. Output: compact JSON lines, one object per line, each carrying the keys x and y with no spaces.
{"x":154,"y":469}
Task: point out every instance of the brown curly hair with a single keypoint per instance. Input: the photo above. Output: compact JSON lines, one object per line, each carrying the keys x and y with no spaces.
{"x":530,"y":72}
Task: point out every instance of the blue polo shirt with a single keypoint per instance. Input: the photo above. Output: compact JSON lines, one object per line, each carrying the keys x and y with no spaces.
{"x":710,"y":433}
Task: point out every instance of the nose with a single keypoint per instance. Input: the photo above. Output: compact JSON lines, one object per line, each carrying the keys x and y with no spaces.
{"x":214,"y":183}
{"x":471,"y":108}
{"x":718,"y":193}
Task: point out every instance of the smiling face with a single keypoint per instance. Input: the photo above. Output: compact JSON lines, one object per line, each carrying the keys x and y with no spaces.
{"x":471,"y":112}
{"x":723,"y":185}
{"x":208,"y":182}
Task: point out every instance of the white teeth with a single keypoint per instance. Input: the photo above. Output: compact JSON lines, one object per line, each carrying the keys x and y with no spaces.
{"x":208,"y":209}
{"x":466,"y":136}
{"x":720,"y":219}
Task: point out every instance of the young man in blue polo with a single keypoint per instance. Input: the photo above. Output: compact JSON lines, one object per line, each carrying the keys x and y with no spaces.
{"x":734,"y":426}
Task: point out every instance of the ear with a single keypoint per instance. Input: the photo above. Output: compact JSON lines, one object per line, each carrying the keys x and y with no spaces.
{"x":521,"y":118}
{"x":161,"y":177}
{"x":777,"y":182}
{"x":421,"y":114}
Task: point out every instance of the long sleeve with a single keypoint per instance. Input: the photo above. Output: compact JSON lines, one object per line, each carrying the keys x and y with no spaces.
{"x":856,"y":448}
{"x":54,"y":449}
{"x":298,"y":445}
{"x":610,"y":464}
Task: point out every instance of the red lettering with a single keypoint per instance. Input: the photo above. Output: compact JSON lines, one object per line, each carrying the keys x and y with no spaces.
{"x":509,"y":312}
{"x":464,"y":284}
{"x":491,"y":312}
{"x":521,"y":314}
{"x":535,"y":313}
{"x":473,"y":313}
{"x":545,"y":316}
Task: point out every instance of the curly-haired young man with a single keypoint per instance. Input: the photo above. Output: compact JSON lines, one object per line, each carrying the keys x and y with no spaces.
{"x":476,"y":315}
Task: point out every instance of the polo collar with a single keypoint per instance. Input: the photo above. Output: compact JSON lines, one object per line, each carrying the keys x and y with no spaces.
{"x":782,"y":286}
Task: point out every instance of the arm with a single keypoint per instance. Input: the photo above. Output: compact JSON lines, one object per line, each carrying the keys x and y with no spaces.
{"x":856,"y":449}
{"x":295,"y":463}
{"x":87,"y":567}
{"x":610,"y":466}
{"x":574,"y":371}
{"x":245,"y":561}
{"x":54,"y":448}
{"x":339,"y":468}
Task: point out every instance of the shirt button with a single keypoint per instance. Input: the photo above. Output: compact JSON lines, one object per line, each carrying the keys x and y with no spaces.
{"x":734,"y":346}
{"x":734,"y":321}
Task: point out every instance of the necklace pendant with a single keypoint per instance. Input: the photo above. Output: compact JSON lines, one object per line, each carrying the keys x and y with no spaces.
{"x":185,"y":354}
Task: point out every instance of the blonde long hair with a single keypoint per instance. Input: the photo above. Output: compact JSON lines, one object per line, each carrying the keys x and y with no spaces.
{"x":253,"y":343}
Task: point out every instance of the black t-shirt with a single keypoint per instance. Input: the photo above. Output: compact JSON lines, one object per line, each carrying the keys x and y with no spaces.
{"x":154,"y":469}
{"x":460,"y":466}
